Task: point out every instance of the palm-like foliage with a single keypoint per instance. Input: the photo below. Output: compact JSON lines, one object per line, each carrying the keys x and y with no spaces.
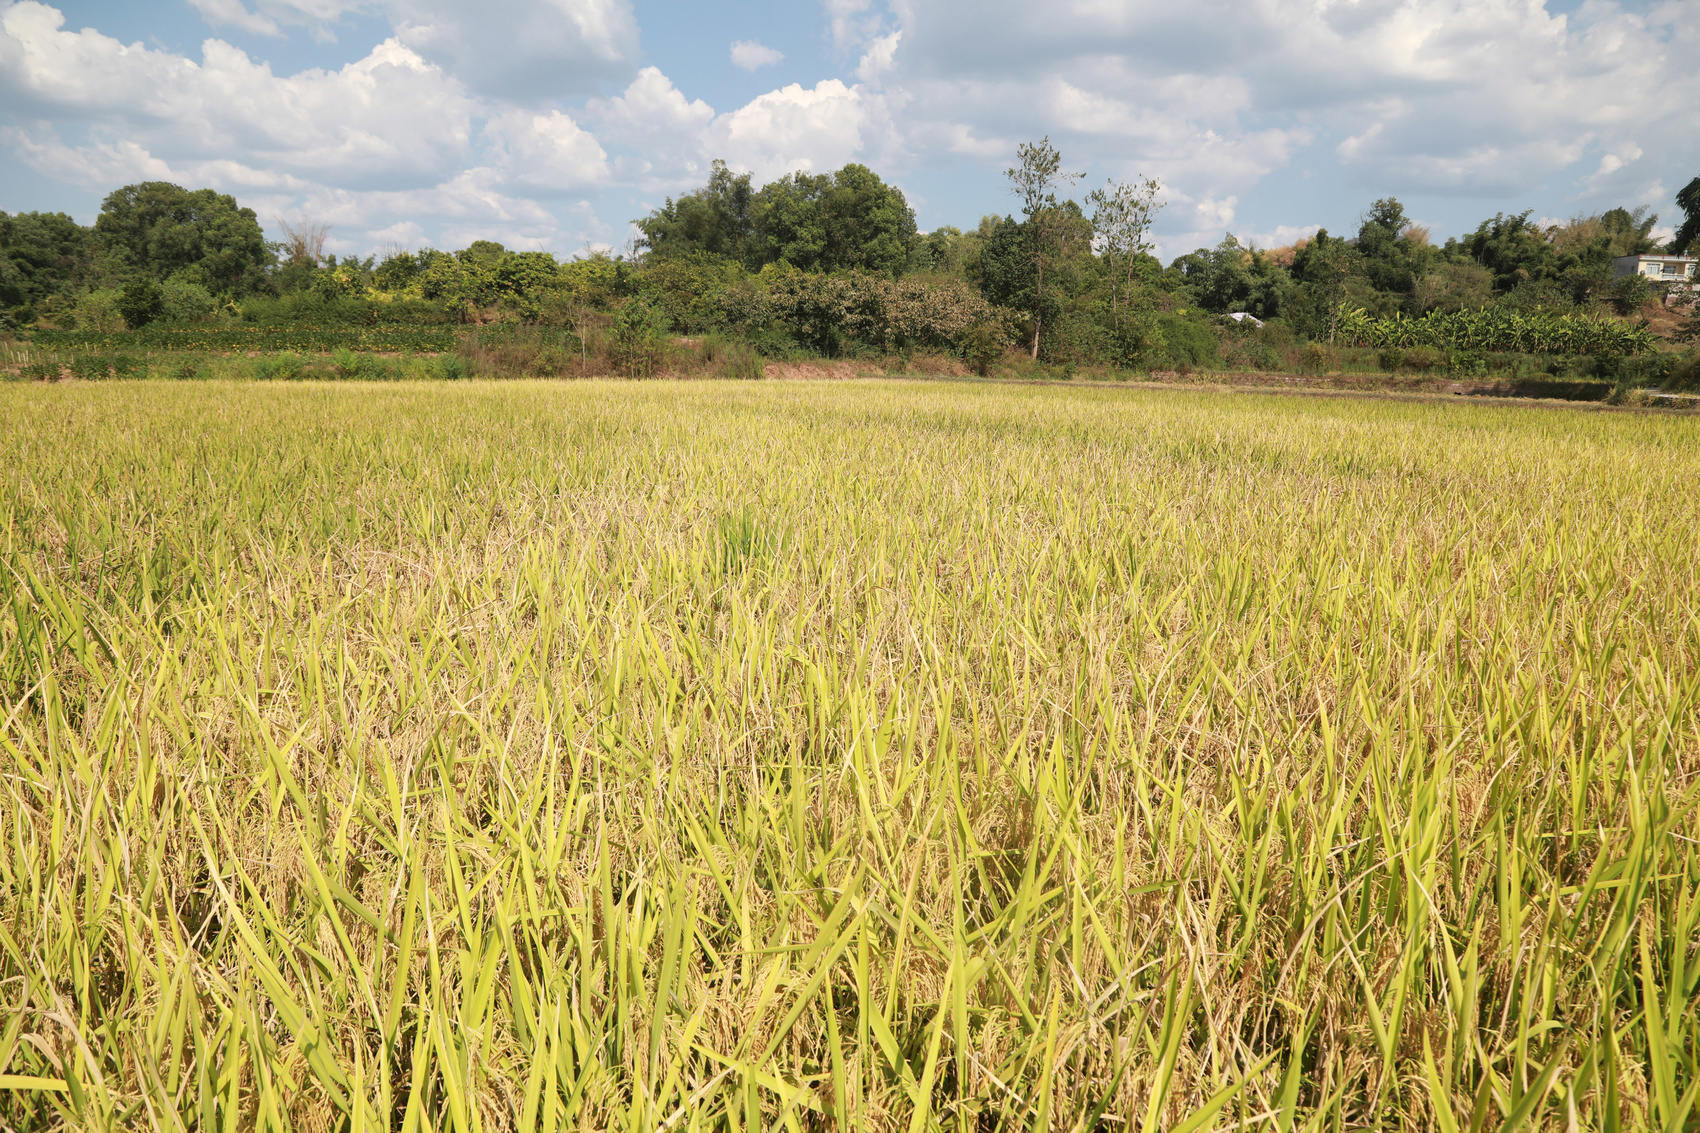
{"x":1496,"y":329}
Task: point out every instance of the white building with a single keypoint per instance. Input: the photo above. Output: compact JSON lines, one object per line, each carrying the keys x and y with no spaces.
{"x":1659,"y":269}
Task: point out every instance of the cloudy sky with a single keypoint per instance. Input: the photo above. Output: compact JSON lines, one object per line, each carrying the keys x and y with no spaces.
{"x":550,"y":124}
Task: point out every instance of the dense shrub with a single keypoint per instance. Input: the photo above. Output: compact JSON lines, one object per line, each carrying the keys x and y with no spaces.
{"x":280,"y":368}
{"x":729,"y":358}
{"x":319,"y":307}
{"x":242,"y":338}
{"x":1187,"y":344}
{"x":1466,"y":363}
{"x":982,"y":345}
{"x":1421,"y":359}
{"x":1648,"y":371}
{"x":536,"y":351}
{"x":638,"y":332}
{"x":1317,"y":358}
{"x":856,"y":312}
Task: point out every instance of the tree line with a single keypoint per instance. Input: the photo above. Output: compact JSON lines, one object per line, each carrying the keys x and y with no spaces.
{"x":834,"y":263}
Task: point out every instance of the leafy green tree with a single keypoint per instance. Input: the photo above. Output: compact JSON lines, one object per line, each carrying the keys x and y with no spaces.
{"x":1005,"y":269}
{"x":441,"y":276}
{"x":519,"y":282}
{"x":1688,"y":236}
{"x":640,"y":334}
{"x":1231,"y":277}
{"x":185,"y":302}
{"x":1513,"y":249}
{"x":1035,"y":181}
{"x":596,"y":280}
{"x":158,"y":229}
{"x":714,"y":219}
{"x":1628,"y":233}
{"x":141,"y":302}
{"x":1325,"y":270}
{"x":41,"y":254}
{"x":398,"y":271}
{"x":945,"y":250}
{"x":844,"y":221}
{"x":95,"y":310}
{"x":1393,"y":261}
{"x":482,"y":254}
{"x":688,"y":289}
{"x":1122,"y":213}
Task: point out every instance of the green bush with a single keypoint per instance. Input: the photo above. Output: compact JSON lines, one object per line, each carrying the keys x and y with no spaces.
{"x":1317,"y":358}
{"x":183,"y":302}
{"x":639,"y":331}
{"x":141,"y":302}
{"x":1649,"y":371}
{"x":243,"y":338}
{"x":1276,"y":334}
{"x":1391,"y":359}
{"x":1421,"y":359}
{"x":318,"y":308}
{"x":1631,"y":293}
{"x":94,"y":313}
{"x":90,"y":367}
{"x":448,"y":368}
{"x":352,"y":367}
{"x":1188,"y":344}
{"x":982,"y":345}
{"x":1685,"y":372}
{"x":856,"y":314}
{"x":1247,"y":353}
{"x":280,"y":368}
{"x":733,"y":360}
{"x":1466,"y":363}
{"x":513,"y":351}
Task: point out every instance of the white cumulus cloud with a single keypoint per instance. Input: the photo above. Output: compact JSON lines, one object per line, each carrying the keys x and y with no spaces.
{"x":523,"y":49}
{"x":751,"y":55}
{"x":535,"y":115}
{"x":793,"y":128}
{"x":232,"y":13}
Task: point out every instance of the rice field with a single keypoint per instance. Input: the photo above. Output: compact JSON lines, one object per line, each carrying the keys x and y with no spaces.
{"x":871,"y":755}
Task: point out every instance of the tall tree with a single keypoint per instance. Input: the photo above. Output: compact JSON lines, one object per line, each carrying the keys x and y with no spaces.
{"x":1392,"y":261}
{"x":160,"y":229}
{"x":40,"y":255}
{"x":1324,"y":269}
{"x":304,"y":241}
{"x":1688,"y":236}
{"x":1035,"y":182}
{"x":1121,"y":220}
{"x":1513,"y":248}
{"x":713,"y":219}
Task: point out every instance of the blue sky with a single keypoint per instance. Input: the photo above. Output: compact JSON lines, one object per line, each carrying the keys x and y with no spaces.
{"x":552,"y":123}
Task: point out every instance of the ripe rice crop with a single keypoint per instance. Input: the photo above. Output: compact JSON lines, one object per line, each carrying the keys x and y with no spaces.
{"x":871,"y":755}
